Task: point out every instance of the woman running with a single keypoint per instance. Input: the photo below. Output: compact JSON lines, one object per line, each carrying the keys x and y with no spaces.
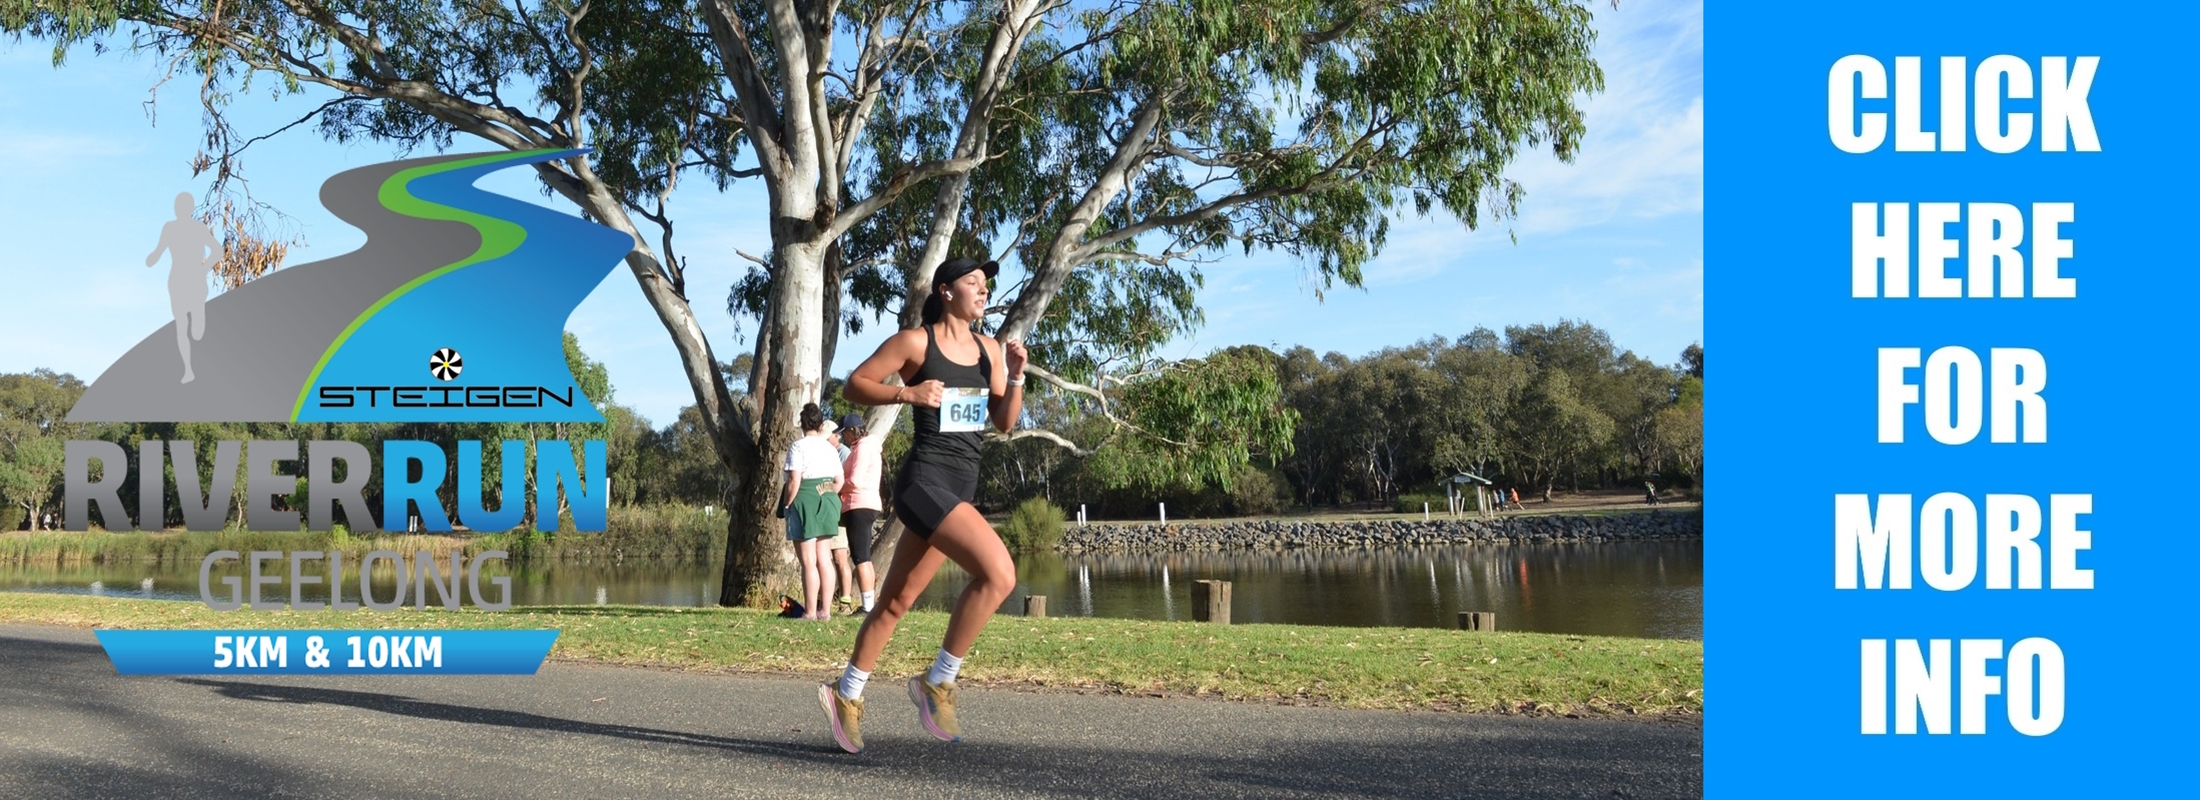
{"x":957,"y":381}
{"x":812,"y":509}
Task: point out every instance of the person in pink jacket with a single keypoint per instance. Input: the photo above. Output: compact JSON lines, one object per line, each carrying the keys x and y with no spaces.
{"x":859,"y":498}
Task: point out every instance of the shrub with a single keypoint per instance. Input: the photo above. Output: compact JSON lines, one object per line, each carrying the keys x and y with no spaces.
{"x":11,"y":518}
{"x":1034,"y":525}
{"x":1256,"y":492}
{"x":1410,"y":503}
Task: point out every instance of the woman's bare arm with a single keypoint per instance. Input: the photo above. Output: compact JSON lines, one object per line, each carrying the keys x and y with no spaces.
{"x":901,"y":354}
{"x":1007,"y":402}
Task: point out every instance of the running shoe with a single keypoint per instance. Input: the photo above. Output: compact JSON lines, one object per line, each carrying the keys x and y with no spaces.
{"x":935,"y":708}
{"x":845,"y":716}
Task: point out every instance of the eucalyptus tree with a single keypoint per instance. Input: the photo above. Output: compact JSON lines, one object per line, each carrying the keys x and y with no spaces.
{"x":33,"y":427}
{"x":1135,"y":138}
{"x":1480,"y":383}
{"x":1554,"y":430}
{"x":1145,"y":138}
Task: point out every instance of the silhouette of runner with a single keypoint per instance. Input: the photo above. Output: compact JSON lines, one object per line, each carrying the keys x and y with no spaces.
{"x":192,"y":252}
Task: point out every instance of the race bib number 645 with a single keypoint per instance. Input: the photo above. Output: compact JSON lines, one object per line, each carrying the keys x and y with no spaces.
{"x":962,"y":410}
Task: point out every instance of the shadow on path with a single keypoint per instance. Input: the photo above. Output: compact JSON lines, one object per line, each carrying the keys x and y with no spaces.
{"x":473,"y":715}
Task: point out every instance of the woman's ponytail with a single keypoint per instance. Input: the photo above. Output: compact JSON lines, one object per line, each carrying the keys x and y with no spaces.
{"x":934,"y":308}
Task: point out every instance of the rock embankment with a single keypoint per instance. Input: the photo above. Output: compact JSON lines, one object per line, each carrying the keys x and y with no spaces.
{"x":1277,"y":534}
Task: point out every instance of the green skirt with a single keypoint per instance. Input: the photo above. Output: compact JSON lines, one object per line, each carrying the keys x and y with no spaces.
{"x":819,"y":514}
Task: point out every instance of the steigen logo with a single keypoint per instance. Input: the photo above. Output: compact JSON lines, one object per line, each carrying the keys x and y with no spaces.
{"x":340,"y":340}
{"x":445,"y":364}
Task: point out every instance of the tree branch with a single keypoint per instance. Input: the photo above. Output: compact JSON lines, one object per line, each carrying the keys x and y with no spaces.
{"x":1038,"y":433}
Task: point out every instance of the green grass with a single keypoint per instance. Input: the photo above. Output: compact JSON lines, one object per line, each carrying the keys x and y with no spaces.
{"x":1534,"y":509}
{"x":1398,"y":668}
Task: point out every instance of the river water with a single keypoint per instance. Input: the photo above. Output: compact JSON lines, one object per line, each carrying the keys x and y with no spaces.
{"x":1650,"y":589}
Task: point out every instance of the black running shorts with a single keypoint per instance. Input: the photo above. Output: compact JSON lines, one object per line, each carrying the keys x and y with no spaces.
{"x":925,"y":493}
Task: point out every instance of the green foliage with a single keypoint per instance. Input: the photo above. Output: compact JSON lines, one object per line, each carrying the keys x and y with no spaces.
{"x":590,"y":375}
{"x":1414,"y":502}
{"x":1257,"y":492}
{"x":1528,"y":408}
{"x":1679,"y":430}
{"x":1034,"y":525}
{"x":33,"y":435}
{"x":1196,"y":422}
{"x":1367,"y":429}
{"x":11,"y":518}
{"x":1555,"y":428}
{"x":1393,"y":104}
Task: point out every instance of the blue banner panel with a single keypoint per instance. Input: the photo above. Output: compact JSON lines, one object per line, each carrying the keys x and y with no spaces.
{"x":327,"y":652}
{"x":1949,"y":301}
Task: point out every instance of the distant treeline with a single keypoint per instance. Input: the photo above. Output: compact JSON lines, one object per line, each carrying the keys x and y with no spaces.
{"x":1539,"y":408}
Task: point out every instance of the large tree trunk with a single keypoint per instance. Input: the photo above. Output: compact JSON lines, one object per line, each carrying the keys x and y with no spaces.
{"x":758,"y":566}
{"x":834,"y":265}
{"x":802,"y":155}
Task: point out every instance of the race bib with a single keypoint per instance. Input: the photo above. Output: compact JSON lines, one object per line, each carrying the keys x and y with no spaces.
{"x":962,"y":410}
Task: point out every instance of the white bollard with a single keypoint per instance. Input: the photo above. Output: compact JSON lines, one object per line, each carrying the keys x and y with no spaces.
{"x":1164,"y":513}
{"x":1424,"y":511}
{"x":1080,"y":515}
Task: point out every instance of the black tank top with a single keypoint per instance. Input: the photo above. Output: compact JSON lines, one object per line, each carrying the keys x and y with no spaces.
{"x":953,"y":449}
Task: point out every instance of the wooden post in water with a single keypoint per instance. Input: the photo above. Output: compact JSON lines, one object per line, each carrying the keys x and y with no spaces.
{"x":1211,"y":602}
{"x":1478,"y":620}
{"x":1035,"y":605}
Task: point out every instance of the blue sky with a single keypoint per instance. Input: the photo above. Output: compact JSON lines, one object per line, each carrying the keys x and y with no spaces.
{"x":1614,"y":239}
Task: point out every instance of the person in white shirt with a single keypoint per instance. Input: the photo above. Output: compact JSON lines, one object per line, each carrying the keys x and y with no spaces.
{"x":812,"y":509}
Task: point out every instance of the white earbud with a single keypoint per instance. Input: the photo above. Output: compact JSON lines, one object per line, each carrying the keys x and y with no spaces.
{"x":948,"y":295}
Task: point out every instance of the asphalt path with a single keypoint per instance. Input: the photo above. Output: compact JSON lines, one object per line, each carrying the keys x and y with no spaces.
{"x":71,"y":727}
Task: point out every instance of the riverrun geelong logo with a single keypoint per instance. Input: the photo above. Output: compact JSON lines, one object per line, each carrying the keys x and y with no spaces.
{"x":447,"y":269}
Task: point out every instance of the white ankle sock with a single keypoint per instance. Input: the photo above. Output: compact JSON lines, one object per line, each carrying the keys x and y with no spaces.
{"x":867,"y":598}
{"x":944,"y":668}
{"x":852,"y":681}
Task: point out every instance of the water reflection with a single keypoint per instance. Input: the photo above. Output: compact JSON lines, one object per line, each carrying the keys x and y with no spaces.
{"x":1650,"y":589}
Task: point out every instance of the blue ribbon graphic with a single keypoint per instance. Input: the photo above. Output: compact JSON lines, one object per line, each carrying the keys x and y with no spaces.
{"x":327,"y":652}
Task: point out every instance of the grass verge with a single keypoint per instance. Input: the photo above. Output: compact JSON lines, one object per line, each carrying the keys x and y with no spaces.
{"x":1397,"y":668}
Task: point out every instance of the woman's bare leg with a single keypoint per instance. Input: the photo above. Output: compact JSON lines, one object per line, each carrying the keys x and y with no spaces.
{"x":968,"y":540}
{"x":915,"y":562}
{"x":806,"y":553}
{"x":845,"y":571}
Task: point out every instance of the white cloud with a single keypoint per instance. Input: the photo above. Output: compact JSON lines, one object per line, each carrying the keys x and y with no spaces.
{"x":1643,"y":155}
